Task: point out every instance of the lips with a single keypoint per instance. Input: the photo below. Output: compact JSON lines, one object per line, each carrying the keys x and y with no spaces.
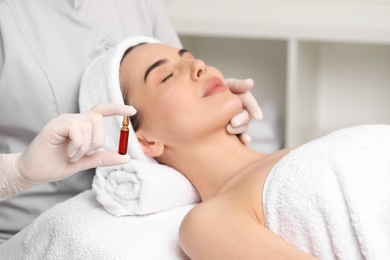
{"x":214,"y":86}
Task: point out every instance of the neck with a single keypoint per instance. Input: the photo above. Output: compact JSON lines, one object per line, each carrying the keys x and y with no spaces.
{"x":209,"y":164}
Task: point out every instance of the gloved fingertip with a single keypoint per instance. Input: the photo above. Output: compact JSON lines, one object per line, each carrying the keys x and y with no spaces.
{"x":234,"y":122}
{"x":229,"y":128}
{"x":258,"y":115}
{"x":250,"y":81}
{"x":72,"y":150}
{"x":132,"y":111}
{"x":112,"y":158}
{"x":90,"y":152}
{"x":74,"y":159}
{"x":125,"y":158}
{"x":245,"y":138}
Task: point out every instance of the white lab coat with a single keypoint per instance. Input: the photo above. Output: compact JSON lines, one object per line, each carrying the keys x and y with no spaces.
{"x":44,"y":47}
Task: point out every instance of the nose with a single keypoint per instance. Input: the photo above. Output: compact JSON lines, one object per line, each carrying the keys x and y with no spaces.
{"x":198,"y":69}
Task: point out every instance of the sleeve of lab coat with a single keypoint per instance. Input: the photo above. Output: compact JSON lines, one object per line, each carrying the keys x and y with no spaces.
{"x":164,"y":29}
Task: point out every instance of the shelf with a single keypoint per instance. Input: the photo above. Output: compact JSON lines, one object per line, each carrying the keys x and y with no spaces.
{"x":337,"y":85}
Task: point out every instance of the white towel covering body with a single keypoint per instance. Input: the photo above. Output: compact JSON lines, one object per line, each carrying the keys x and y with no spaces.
{"x":331,"y":197}
{"x":79,"y":228}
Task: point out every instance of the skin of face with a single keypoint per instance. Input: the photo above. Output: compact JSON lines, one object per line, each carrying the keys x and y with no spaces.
{"x":180,"y":99}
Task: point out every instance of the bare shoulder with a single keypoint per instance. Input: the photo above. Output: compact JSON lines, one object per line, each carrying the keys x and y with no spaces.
{"x":228,"y":227}
{"x":216,"y":230}
{"x":241,"y":197}
{"x":206,"y":227}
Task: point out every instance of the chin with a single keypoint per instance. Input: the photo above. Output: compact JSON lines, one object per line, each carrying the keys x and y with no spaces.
{"x":232,"y":105}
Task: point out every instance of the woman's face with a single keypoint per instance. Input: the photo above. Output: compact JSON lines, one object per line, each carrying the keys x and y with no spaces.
{"x":178,"y":97}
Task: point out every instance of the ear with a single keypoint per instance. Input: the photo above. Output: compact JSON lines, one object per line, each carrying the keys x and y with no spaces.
{"x":151,"y":147}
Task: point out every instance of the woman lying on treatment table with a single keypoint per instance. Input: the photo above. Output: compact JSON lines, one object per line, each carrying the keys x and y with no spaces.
{"x":183,"y":108}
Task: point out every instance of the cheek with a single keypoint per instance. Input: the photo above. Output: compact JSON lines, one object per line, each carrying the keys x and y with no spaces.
{"x":170,"y":115}
{"x":206,"y":117}
{"x":179,"y":112}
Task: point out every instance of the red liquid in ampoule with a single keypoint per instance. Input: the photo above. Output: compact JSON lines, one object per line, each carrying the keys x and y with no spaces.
{"x":123,"y":141}
{"x":124,"y":136}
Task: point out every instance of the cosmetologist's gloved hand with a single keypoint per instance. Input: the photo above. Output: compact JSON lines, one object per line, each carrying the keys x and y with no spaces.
{"x":239,"y":123}
{"x":69,"y":144}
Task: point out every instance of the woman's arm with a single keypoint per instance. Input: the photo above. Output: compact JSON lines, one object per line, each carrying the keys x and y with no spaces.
{"x":215,"y":230}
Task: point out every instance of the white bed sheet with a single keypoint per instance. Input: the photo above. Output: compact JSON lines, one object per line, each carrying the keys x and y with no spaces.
{"x":80,"y":228}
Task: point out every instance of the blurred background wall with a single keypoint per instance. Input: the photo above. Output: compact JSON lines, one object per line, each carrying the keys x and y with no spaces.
{"x":318,"y":65}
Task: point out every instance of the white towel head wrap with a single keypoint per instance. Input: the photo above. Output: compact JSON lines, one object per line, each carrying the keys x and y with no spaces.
{"x":100,"y":84}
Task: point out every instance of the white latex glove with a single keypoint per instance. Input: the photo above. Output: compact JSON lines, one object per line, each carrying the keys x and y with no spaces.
{"x":69,"y":144}
{"x":239,"y":123}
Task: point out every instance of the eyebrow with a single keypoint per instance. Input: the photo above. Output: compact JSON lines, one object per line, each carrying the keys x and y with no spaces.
{"x":158,"y":63}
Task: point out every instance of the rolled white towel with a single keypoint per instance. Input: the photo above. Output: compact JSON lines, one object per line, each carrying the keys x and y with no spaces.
{"x":140,"y":188}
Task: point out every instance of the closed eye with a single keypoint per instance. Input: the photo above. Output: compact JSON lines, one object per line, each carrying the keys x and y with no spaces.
{"x":167,"y":77}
